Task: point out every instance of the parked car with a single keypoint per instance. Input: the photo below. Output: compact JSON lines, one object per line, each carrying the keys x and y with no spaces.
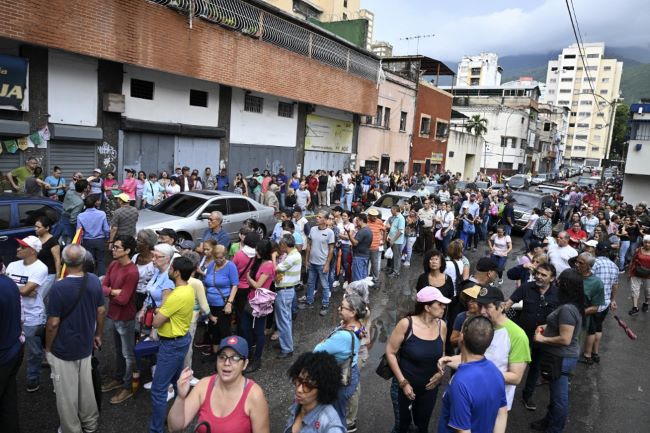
{"x":18,"y":214}
{"x":588,"y":181}
{"x":386,"y":201}
{"x":586,"y":169}
{"x":518,"y":181}
{"x":541,"y":178}
{"x":526,"y":202}
{"x":498,"y":186}
{"x":187,"y":213}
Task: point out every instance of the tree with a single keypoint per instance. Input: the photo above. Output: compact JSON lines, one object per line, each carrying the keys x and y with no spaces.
{"x":620,"y":131}
{"x":477,"y":125}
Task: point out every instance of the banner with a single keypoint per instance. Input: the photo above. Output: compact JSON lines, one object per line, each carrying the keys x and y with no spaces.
{"x":13,"y":81}
{"x":437,"y":158}
{"x":328,"y":135}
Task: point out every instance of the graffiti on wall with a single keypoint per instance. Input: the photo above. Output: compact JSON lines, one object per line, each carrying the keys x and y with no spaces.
{"x":108,"y":157}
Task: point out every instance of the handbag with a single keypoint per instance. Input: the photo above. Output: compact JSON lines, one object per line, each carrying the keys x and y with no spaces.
{"x":383,"y":369}
{"x":346,"y":367}
{"x":389,"y":253}
{"x":150,"y":312}
{"x":468,"y":227}
{"x":550,"y":366}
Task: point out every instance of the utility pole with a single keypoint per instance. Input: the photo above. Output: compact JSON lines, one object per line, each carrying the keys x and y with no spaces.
{"x":612,"y":114}
{"x":417,"y":38}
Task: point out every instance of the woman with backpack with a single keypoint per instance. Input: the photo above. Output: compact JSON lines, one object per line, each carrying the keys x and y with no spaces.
{"x":466,"y":225}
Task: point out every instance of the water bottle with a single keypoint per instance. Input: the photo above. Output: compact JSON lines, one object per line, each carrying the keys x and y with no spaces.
{"x":135,"y":382}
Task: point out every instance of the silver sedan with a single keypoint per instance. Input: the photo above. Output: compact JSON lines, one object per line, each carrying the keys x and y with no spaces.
{"x":187,"y":213}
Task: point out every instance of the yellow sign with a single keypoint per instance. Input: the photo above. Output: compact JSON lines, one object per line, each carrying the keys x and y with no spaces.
{"x":328,"y":135}
{"x":437,"y":158}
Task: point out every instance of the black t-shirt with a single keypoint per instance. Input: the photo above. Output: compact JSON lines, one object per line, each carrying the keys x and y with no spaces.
{"x":364,"y":237}
{"x":508,"y":211}
{"x":45,"y":255}
{"x":322,"y":183}
{"x":446,"y":289}
{"x":535,"y":310}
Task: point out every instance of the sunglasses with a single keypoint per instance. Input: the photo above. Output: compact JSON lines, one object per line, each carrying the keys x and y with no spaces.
{"x":307,"y":385}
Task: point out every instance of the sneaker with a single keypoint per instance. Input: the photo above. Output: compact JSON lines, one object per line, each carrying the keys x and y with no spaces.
{"x":633,"y":311}
{"x":595,"y":357}
{"x":33,"y":385}
{"x":406,"y":265}
{"x":324,"y":310}
{"x":529,"y":403}
{"x":539,"y":425}
{"x":335,"y":284}
{"x":644,"y":307}
{"x":352,"y":427}
{"x":123,"y":394}
{"x":170,"y":393}
{"x":500,"y":282}
{"x":253,"y":366}
{"x":305,"y":306}
{"x":194,"y":381}
{"x":586,"y":360}
{"x":113,"y":384}
{"x":147,"y":385}
{"x":302,"y":300}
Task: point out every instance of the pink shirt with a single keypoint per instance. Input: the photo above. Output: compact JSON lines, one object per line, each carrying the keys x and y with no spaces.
{"x":268,"y":269}
{"x":129,"y":186}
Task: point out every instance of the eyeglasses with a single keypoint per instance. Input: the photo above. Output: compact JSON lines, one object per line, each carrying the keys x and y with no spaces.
{"x":341,"y":307}
{"x":157,"y":257}
{"x":307,"y":385}
{"x":232,"y":358}
{"x":115,"y":248}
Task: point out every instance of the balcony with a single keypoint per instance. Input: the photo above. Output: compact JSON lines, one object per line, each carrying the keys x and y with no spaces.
{"x":239,"y":16}
{"x":551,"y":154}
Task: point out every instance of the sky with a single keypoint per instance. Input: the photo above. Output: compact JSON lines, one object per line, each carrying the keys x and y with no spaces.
{"x":507,"y":27}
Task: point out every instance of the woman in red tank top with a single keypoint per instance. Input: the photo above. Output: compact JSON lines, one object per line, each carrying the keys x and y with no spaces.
{"x":227,"y":402}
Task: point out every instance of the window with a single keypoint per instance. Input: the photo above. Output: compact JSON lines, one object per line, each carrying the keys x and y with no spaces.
{"x":368,"y":120}
{"x":547,"y":126}
{"x":605,"y":80}
{"x":578,"y":148}
{"x":29,"y":213}
{"x":565,"y":90}
{"x":584,"y":114}
{"x":524,"y":143}
{"x":402,"y":121}
{"x":5,"y":216}
{"x":476,"y":71}
{"x":569,"y":56}
{"x":592,"y":68}
{"x":387,"y":118}
{"x":568,"y":68}
{"x":345,"y":16}
{"x":600,"y":114}
{"x":607,"y":68}
{"x":593,"y":56}
{"x":505,"y":140}
{"x":589,"y":102}
{"x":564,"y":102}
{"x":285,"y":109}
{"x":425,"y":125}
{"x":551,"y":91}
{"x":380,"y":112}
{"x":574,"y":103}
{"x":580,"y":68}
{"x":595,"y":148}
{"x":554,"y":80}
{"x":217,"y":205}
{"x":505,"y":165}
{"x":603,"y":92}
{"x":198,"y":98}
{"x":474,"y":82}
{"x":586,"y":91}
{"x":566,"y":80}
{"x":572,"y":125}
{"x":587,"y":79}
{"x":583,"y":125}
{"x":581,"y":137}
{"x":141,"y":89}
{"x":345,"y":3}
{"x":238,"y":205}
{"x":253,"y":104}
{"x":597,"y":137}
{"x":554,"y":68}
{"x":442,"y":129}
{"x":599,"y":126}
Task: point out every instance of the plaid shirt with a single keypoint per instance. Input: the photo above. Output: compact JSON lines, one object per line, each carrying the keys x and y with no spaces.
{"x":607,"y":271}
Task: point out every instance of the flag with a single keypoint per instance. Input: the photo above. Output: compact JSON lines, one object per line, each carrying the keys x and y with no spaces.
{"x":78,"y":236}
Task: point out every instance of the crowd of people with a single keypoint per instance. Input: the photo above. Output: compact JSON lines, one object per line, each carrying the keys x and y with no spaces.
{"x":157,"y":293}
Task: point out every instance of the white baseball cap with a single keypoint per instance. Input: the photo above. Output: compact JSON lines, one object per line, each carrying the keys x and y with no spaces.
{"x":31,"y":242}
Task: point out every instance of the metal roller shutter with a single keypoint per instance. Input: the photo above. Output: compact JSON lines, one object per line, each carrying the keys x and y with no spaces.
{"x":73,"y":157}
{"x":9,"y":161}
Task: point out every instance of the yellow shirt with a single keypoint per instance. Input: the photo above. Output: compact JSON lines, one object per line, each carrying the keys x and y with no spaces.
{"x":178,"y":307}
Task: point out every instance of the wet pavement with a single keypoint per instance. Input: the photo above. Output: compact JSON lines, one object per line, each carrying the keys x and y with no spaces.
{"x":605,"y":398}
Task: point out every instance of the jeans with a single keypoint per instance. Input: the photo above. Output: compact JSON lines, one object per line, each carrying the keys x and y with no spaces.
{"x":145,"y":349}
{"x":316,"y":272}
{"x":171,"y":354}
{"x":534,"y":370}
{"x":347,"y":202}
{"x":465,"y":237}
{"x":484,"y":226}
{"x":9,"y":393}
{"x":421,"y":409}
{"x":501,"y":263}
{"x":397,"y":257}
{"x":253,"y":331}
{"x":410,"y":241}
{"x":625,"y":246}
{"x":34,"y":346}
{"x":375,"y":264}
{"x":283,"y":322}
{"x":344,"y":394}
{"x":345,"y":251}
{"x":507,"y":229}
{"x":558,"y":408}
{"x":359,"y":268}
{"x":123,"y":332}
{"x":445,"y":241}
{"x":526,"y":238}
{"x":97,"y":247}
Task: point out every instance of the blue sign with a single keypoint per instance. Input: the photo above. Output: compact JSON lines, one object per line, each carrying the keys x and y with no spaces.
{"x":13,"y":81}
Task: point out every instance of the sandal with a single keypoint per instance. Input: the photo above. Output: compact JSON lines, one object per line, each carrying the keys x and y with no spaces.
{"x":275,"y":336}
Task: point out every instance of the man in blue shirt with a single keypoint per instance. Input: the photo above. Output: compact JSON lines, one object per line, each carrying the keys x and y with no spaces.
{"x":475,"y":399}
{"x":215,"y":231}
{"x":395,"y":239}
{"x":95,"y":231}
{"x":222,"y":181}
{"x":11,"y":352}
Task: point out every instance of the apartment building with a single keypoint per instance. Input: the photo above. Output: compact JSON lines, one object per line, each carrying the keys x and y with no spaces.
{"x":480,"y":70}
{"x":586,"y":82}
{"x":636,"y":178}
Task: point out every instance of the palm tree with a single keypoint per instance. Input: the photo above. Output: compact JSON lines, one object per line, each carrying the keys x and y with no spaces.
{"x":477,"y":125}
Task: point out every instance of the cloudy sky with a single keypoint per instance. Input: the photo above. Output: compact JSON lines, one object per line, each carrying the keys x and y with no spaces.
{"x":506,"y":26}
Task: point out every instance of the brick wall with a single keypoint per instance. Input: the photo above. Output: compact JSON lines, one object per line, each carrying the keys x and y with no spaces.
{"x":151,"y":36}
{"x":437,"y":104}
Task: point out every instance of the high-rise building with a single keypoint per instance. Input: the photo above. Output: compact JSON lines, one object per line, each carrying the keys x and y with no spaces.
{"x":382,"y":49}
{"x":481,"y":70}
{"x":588,"y":83}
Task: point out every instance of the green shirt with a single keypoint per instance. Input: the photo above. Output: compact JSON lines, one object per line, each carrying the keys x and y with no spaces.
{"x":594,"y":291}
{"x":20,"y":175}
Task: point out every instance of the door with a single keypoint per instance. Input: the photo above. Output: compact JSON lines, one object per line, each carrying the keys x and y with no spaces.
{"x":151,"y":153}
{"x":197,"y":153}
{"x":72,"y":157}
{"x":385,"y":164}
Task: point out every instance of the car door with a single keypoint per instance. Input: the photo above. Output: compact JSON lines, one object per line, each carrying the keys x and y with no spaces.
{"x":7,"y":235}
{"x":217,"y":204}
{"x":239,"y":210}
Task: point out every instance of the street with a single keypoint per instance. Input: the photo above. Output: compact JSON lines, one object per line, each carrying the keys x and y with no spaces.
{"x":610,"y":397}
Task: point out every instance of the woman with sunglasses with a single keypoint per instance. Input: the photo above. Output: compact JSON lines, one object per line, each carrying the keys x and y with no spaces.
{"x":226,"y":402}
{"x":315,"y":378}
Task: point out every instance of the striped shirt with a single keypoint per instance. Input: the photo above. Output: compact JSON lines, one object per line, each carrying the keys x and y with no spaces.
{"x":290,"y":267}
{"x":376,"y":228}
{"x":607,"y":271}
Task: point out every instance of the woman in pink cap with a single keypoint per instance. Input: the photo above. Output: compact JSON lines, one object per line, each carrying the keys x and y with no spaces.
{"x":419,"y":339}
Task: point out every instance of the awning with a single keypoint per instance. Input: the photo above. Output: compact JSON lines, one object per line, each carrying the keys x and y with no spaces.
{"x":76,"y":133}
{"x":13,"y":128}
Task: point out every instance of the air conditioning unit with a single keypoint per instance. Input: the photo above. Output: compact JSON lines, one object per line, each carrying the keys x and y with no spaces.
{"x":113,"y":102}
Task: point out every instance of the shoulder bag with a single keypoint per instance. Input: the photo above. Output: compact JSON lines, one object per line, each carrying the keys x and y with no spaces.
{"x":346,"y":367}
{"x":383,"y":369}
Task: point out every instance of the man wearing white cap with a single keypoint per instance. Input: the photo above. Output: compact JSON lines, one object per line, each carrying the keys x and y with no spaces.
{"x":124,"y":219}
{"x":29,"y":273}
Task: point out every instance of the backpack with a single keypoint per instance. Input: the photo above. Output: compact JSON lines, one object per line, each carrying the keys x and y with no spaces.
{"x":253,"y":183}
{"x":262,"y":302}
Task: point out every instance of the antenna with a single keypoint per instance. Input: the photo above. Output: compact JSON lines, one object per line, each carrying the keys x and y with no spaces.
{"x":417,"y":38}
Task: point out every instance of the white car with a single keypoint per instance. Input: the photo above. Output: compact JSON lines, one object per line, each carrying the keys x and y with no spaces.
{"x":187,"y":214}
{"x":386,"y":201}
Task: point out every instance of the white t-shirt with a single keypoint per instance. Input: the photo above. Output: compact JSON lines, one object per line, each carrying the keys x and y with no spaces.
{"x":302,"y":197}
{"x":33,"y":307}
{"x":532,"y":220}
{"x":450,"y":269}
{"x":501,"y":244}
{"x":345,"y":178}
{"x":560,"y":256}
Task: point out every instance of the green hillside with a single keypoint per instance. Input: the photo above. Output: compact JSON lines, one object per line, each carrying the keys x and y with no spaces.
{"x":635,"y":83}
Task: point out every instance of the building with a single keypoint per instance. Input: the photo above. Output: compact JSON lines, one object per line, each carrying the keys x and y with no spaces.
{"x":382,"y":49}
{"x":589,"y":84}
{"x":114,"y":95}
{"x":481,"y":70}
{"x":464,"y":153}
{"x":385,"y":138}
{"x":552,"y":127}
{"x":636,"y":176}
{"x":511,"y":112}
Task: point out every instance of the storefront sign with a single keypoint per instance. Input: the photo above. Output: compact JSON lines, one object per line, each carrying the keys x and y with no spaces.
{"x":13,"y":81}
{"x":328,"y":135}
{"x":437,"y":158}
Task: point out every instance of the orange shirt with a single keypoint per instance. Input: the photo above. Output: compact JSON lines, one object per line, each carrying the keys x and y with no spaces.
{"x":378,"y":230}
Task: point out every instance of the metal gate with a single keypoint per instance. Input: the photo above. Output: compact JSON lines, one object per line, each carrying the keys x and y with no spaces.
{"x":325,"y":161}
{"x":245,"y":157}
{"x":72,"y":157}
{"x":151,"y":153}
{"x":197,"y":153}
{"x":9,"y":161}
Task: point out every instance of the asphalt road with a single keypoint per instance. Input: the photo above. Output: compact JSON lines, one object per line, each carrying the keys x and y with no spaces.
{"x":605,"y":398}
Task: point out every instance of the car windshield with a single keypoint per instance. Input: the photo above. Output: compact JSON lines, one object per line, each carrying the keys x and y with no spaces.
{"x":587,"y":181}
{"x":517,"y":180}
{"x":180,"y":205}
{"x":527,"y":201}
{"x":389,"y":200}
{"x":482,"y":185}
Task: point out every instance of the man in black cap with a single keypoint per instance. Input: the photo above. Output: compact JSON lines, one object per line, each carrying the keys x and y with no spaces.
{"x":167,"y":236}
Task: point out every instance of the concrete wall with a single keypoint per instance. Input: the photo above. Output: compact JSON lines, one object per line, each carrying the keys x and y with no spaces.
{"x":635,"y":187}
{"x":467,"y":153}
{"x":144,"y":34}
{"x":72,"y":89}
{"x":638,"y":161}
{"x":171,"y":101}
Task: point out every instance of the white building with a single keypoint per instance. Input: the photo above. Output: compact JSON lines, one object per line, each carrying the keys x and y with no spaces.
{"x":636,"y":180}
{"x":591,"y":94}
{"x":481,"y":70}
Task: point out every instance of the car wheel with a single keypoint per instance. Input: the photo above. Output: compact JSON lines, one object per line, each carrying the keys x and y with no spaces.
{"x":262,"y":230}
{"x":184,"y":236}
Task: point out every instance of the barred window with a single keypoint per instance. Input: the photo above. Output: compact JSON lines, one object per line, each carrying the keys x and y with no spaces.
{"x":285,"y":109}
{"x":141,"y":89}
{"x":253,"y":104}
